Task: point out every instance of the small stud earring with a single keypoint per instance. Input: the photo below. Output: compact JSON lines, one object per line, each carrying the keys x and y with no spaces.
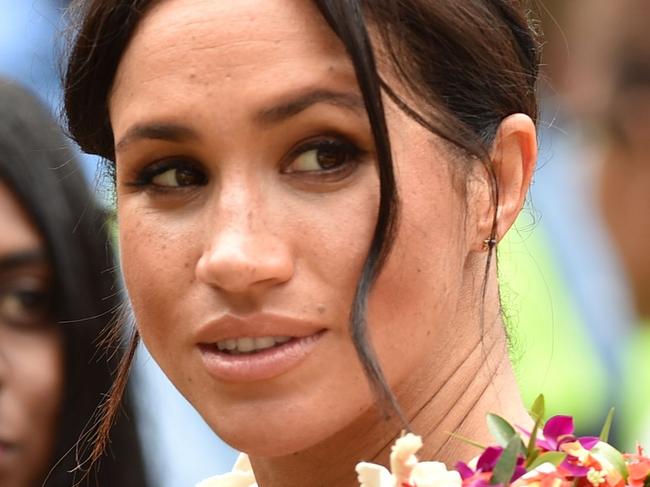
{"x":489,"y":243}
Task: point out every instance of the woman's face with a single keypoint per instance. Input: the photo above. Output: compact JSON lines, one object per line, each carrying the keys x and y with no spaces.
{"x":31,"y":355}
{"x":247,"y":198}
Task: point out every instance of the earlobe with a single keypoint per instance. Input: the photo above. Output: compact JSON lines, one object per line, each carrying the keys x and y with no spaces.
{"x":513,"y":157}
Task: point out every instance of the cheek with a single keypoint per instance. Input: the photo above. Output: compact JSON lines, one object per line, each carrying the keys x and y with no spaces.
{"x":157,"y":256}
{"x":40,"y":365}
{"x":34,"y":390}
{"x":413,"y":304}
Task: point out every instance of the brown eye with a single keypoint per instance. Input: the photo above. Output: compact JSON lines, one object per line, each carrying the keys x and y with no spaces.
{"x":25,"y":305}
{"x":178,"y":177}
{"x":326,"y":155}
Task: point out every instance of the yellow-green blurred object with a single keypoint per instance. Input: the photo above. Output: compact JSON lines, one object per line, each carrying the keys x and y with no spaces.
{"x":635,"y":413}
{"x":551,"y":351}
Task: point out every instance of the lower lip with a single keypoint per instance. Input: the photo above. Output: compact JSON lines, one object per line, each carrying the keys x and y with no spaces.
{"x":263,"y":365}
{"x":6,"y":452}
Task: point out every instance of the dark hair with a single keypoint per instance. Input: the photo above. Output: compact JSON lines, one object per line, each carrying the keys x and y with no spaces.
{"x":40,"y":169}
{"x":472,"y":62}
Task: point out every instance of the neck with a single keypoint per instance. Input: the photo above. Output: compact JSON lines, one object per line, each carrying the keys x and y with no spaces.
{"x":452,"y":398}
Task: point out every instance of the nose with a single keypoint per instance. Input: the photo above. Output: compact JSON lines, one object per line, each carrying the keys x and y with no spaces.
{"x":242,"y":261}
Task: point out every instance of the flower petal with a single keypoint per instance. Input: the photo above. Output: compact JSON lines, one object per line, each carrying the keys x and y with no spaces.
{"x":489,"y":458}
{"x":588,"y":442}
{"x":557,"y":427}
{"x":372,"y":475}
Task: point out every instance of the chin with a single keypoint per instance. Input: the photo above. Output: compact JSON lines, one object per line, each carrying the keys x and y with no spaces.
{"x":265,"y":430}
{"x":261,"y":438}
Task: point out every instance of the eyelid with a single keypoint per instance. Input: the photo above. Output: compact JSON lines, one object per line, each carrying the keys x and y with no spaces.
{"x":146,"y":174}
{"x":317,"y":143}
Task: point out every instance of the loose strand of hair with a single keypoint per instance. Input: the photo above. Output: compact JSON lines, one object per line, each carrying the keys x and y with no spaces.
{"x":98,"y":432}
{"x":347,"y":21}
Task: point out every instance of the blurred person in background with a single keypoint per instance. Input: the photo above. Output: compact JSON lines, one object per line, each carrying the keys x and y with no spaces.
{"x":32,"y":35}
{"x":582,"y":268}
{"x":57,"y":294}
{"x":614,"y":47}
{"x":571,"y":311}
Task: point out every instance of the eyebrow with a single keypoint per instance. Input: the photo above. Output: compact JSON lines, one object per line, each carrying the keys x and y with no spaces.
{"x":296,"y":105}
{"x":175,"y":132}
{"x":26,"y":258}
{"x":171,"y":132}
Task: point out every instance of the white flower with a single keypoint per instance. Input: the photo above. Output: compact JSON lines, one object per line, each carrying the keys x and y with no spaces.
{"x":435,"y":474}
{"x":241,"y":476}
{"x":371,"y":475}
{"x":406,"y":469}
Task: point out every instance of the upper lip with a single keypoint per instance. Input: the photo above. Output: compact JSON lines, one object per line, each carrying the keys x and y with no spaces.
{"x":254,"y":325}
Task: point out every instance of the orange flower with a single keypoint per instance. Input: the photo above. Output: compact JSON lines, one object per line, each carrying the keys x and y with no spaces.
{"x":638,"y":467}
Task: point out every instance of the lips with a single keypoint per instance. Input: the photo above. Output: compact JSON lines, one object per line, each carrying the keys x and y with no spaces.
{"x":6,"y":451}
{"x":256,"y":347}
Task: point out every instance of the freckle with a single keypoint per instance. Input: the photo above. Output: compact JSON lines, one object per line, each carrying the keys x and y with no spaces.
{"x":428,"y":332}
{"x":419,"y":270}
{"x":321,"y":309}
{"x":187,"y":265}
{"x":164,"y":247}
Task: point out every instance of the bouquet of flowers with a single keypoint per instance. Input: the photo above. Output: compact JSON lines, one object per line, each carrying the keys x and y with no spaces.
{"x":548,"y":456}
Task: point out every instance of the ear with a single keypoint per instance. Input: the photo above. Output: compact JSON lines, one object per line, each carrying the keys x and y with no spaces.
{"x":513,"y":157}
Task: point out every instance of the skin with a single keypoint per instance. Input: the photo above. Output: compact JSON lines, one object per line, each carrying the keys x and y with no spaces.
{"x":263,"y":234}
{"x":600,"y":94}
{"x":625,"y":201}
{"x":31,"y":351}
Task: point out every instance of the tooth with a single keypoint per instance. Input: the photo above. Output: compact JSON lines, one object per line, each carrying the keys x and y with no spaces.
{"x":231,"y":344}
{"x":245,"y":344}
{"x":264,"y":342}
{"x":221,"y":345}
{"x":281,"y":339}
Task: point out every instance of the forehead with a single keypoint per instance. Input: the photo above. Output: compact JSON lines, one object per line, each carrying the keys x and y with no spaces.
{"x":227,"y":52}
{"x":18,"y":232}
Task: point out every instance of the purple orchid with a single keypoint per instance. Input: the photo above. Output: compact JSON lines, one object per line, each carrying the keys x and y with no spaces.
{"x":558,"y":431}
{"x":486,"y":464}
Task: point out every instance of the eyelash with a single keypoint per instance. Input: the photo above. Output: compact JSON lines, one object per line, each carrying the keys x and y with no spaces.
{"x":147,"y":174}
{"x":336,"y":144}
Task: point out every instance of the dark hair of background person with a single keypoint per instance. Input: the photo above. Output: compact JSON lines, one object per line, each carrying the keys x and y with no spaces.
{"x":464,"y":65}
{"x":41,"y":170}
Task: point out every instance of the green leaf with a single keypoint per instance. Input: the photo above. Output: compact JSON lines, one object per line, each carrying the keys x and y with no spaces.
{"x":531,"y":449}
{"x":646,"y":483}
{"x":505,"y":467}
{"x":467,"y":440}
{"x":538,"y":410}
{"x":500,"y":429}
{"x":612,"y":456}
{"x":531,"y":457}
{"x":604,"y":433}
{"x":537,"y":413}
{"x":554,"y":457}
